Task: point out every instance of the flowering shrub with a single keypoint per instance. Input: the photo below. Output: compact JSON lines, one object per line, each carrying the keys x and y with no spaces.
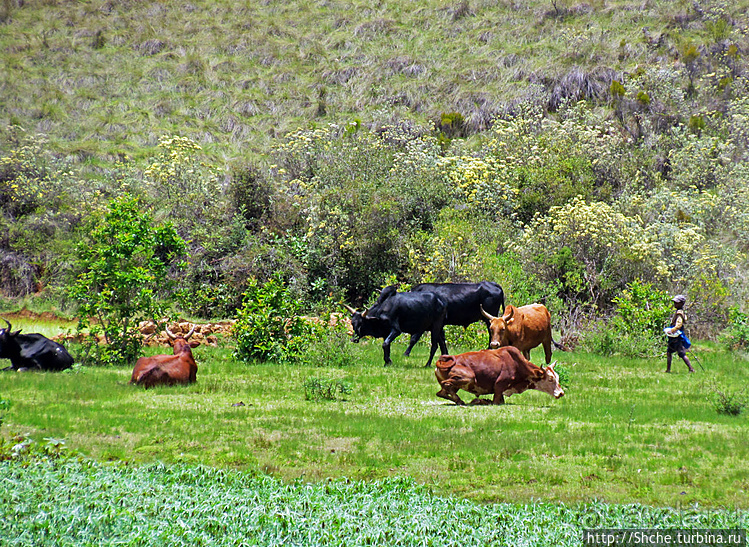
{"x":455,"y":251}
{"x":183,"y":184}
{"x":591,"y":248}
{"x":40,"y":206}
{"x":480,"y":183}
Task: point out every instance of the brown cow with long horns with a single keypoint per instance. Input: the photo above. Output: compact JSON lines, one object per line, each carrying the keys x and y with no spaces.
{"x":524,"y":327}
{"x":179,"y":368}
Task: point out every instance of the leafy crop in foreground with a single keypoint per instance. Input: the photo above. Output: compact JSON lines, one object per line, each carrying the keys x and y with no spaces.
{"x":73,"y":502}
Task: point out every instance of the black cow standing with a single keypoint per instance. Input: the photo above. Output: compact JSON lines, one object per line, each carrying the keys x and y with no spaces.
{"x":464,"y":300}
{"x":32,"y":352}
{"x":394,"y":313}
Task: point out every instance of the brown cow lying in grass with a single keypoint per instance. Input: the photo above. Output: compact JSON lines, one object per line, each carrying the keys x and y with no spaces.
{"x":179,"y":368}
{"x":500,"y":372}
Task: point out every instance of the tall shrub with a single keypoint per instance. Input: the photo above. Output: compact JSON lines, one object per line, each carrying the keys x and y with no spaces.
{"x":591,"y":249}
{"x":123,"y":266}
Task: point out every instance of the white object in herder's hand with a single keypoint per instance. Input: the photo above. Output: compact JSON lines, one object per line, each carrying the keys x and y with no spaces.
{"x":671,"y":334}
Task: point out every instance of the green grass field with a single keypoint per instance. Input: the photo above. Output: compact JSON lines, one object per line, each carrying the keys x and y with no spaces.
{"x":625,"y":431}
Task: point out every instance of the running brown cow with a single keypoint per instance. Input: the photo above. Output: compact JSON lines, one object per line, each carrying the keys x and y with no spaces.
{"x":179,"y":368}
{"x":499,"y":372}
{"x":525,"y":328}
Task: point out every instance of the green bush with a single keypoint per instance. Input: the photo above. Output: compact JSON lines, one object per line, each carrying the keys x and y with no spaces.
{"x":642,"y":308}
{"x":728,"y":402}
{"x":323,"y":389}
{"x":636,"y":327}
{"x":269,"y":326}
{"x":472,"y":338}
{"x":565,"y":378}
{"x":604,"y":340}
{"x":736,"y":335}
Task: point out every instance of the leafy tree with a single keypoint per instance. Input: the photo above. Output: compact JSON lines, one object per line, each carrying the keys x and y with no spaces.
{"x":124,"y":264}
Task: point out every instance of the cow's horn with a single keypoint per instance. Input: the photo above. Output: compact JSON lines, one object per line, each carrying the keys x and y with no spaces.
{"x":187,"y":336}
{"x":489,"y":316}
{"x":169,"y":333}
{"x":349,"y":308}
{"x":364,"y":313}
{"x":552,"y":365}
{"x":7,"y":323}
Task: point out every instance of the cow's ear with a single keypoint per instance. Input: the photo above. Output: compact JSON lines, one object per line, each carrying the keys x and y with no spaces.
{"x":194,"y":344}
{"x":509,"y":314}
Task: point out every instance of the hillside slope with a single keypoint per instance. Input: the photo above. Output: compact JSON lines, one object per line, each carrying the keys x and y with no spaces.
{"x":104,"y":79}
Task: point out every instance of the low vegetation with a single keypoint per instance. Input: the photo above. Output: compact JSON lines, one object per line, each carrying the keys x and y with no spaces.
{"x":80,"y":503}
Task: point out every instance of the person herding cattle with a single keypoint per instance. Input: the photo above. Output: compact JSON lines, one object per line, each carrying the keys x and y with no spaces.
{"x":674,"y":332}
{"x":496,"y":372}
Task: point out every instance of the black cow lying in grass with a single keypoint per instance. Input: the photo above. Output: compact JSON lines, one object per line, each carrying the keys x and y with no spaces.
{"x":32,"y":351}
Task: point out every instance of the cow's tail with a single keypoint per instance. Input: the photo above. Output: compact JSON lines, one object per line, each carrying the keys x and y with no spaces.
{"x":559,"y":345}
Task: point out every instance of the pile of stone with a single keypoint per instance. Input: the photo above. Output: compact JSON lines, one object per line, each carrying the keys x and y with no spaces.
{"x":205,"y":333}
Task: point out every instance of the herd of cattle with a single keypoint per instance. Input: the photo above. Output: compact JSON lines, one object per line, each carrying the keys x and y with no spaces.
{"x":503,"y":369}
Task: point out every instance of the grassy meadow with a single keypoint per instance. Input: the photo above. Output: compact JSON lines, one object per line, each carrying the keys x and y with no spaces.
{"x":624,"y":432}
